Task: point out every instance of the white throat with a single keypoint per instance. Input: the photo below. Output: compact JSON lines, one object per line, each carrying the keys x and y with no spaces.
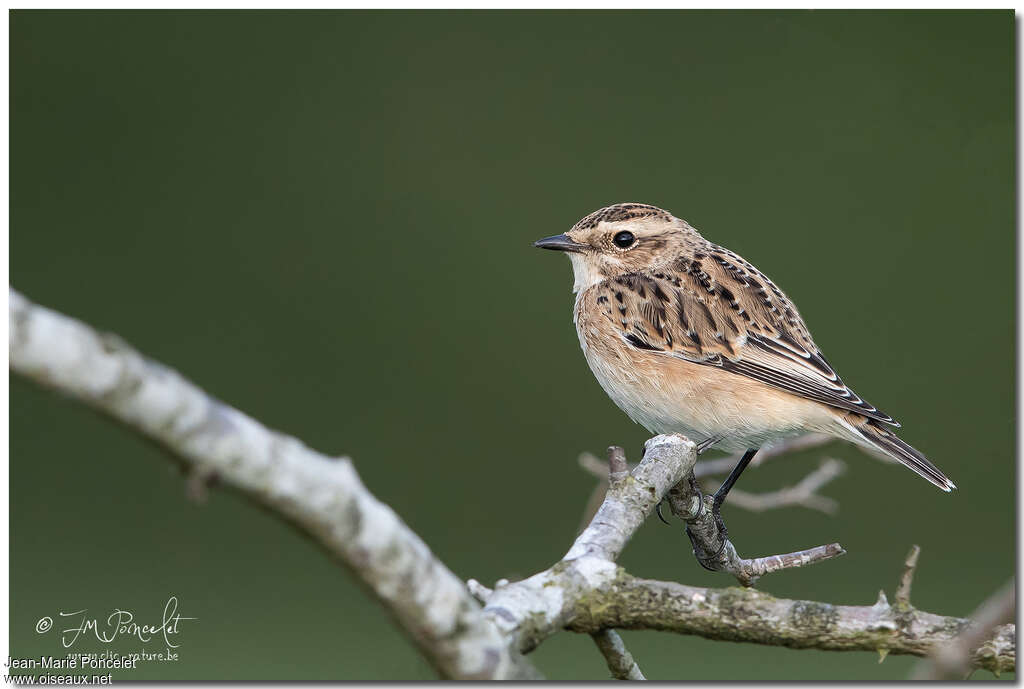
{"x":583,"y":273}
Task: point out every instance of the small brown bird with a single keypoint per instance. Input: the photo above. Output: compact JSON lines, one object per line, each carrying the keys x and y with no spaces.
{"x":686,"y":336}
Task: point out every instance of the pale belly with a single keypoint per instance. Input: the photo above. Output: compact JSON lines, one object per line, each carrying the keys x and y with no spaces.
{"x":666,"y":394}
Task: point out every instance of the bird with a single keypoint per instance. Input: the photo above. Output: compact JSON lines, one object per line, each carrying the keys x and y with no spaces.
{"x":686,"y":336}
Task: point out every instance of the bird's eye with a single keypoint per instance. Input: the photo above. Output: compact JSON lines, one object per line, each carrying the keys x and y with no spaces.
{"x":624,"y":239}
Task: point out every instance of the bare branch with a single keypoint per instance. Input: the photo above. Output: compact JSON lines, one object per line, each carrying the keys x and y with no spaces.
{"x":594,"y":466}
{"x":584,"y":592}
{"x":748,"y":615}
{"x":907,"y":578}
{"x":618,"y":467}
{"x":620,"y":661}
{"x":321,"y":495}
{"x":711,"y":545}
{"x":530,"y":610}
{"x":989,"y":642}
{"x":803,"y":494}
{"x":587,"y":594}
{"x":632,"y":498}
{"x":723,"y":465}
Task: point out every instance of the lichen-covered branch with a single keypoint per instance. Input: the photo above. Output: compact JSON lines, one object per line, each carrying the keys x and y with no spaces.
{"x":584,"y":592}
{"x":714,"y":550}
{"x":321,"y":495}
{"x":588,"y":594}
{"x":738,"y":614}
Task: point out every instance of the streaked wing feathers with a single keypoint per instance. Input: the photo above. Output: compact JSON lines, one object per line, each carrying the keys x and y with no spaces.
{"x":718,"y":310}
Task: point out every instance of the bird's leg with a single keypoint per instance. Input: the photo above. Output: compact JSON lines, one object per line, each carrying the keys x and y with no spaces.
{"x":723,"y":490}
{"x":705,"y":558}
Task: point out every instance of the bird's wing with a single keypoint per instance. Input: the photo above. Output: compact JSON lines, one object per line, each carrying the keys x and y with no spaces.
{"x":716,"y":309}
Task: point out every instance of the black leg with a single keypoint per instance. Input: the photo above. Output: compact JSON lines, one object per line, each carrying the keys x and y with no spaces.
{"x":723,"y":490}
{"x":731,"y":480}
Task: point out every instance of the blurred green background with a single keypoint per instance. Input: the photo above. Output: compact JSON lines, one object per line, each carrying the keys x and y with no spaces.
{"x":325,"y":219}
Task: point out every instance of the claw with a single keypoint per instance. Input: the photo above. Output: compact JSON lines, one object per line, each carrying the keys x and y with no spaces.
{"x":657,"y":508}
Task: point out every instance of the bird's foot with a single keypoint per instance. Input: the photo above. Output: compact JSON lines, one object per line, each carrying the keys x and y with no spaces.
{"x":705,"y":558}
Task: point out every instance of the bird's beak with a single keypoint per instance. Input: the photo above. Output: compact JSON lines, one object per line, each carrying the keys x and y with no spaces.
{"x":559,"y":242}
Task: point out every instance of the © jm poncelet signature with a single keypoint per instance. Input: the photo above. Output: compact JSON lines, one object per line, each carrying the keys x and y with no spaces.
{"x":118,"y":624}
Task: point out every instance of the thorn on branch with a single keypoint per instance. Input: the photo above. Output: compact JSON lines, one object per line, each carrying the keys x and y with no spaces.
{"x":620,"y":661}
{"x":907,"y":578}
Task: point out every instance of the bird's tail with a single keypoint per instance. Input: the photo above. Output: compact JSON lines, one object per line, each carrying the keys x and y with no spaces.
{"x":873,"y":435}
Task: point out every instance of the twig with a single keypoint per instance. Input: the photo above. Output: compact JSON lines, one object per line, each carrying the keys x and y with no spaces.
{"x":595,"y":467}
{"x":587,"y":594}
{"x":907,"y":578}
{"x":584,"y":592}
{"x":619,"y":659}
{"x":618,"y":467}
{"x":723,"y":465}
{"x":321,"y":495}
{"x":711,"y":545}
{"x":983,"y":643}
{"x":803,"y":494}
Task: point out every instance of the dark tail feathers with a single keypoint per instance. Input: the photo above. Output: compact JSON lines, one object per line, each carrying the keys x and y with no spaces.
{"x":888,"y":443}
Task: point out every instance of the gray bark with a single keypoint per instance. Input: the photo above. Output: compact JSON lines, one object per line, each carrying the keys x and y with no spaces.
{"x":584,"y":592}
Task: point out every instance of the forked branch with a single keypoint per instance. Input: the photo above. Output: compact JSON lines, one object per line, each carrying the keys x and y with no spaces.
{"x":584,"y":592}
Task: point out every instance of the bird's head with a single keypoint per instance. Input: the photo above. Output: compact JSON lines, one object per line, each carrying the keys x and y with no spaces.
{"x":622,"y":239}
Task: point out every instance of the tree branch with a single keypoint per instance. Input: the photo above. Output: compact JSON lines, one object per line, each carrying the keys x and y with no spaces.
{"x":749,"y":615}
{"x":714,"y":550}
{"x":907,"y":578}
{"x":584,"y":592}
{"x":803,"y":494}
{"x":723,"y":465}
{"x":989,"y":642}
{"x":620,"y":661}
{"x":321,"y":495}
